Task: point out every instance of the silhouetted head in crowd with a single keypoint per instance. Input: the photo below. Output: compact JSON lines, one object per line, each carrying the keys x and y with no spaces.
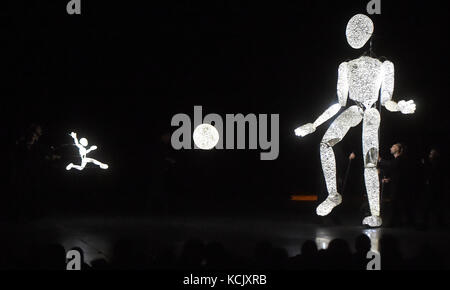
{"x":339,"y":247}
{"x":309,"y":248}
{"x":215,"y":254}
{"x":193,"y":253}
{"x":126,"y":255}
{"x":279,"y":257}
{"x":397,"y":149}
{"x":52,"y":257}
{"x":362,"y":243}
{"x":433,"y":155}
{"x":338,"y":255}
{"x":390,"y":252}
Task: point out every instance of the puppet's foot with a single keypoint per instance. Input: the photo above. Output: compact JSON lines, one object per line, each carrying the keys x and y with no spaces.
{"x":372,"y":221}
{"x":69,"y":166}
{"x":327,"y":206}
{"x":104,"y":166}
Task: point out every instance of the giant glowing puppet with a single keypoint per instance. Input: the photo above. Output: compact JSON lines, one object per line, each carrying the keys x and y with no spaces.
{"x":81,"y":144}
{"x":363,"y":80}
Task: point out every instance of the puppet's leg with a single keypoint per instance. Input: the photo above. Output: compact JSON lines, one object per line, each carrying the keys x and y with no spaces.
{"x":79,"y":167}
{"x":337,"y":130}
{"x":71,"y":165}
{"x":371,"y":124}
{"x":96,"y":162}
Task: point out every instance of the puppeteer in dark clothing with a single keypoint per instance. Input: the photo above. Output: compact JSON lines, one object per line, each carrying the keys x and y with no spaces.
{"x":28,"y":173}
{"x":433,"y":199}
{"x":397,"y":195}
{"x":26,"y":178}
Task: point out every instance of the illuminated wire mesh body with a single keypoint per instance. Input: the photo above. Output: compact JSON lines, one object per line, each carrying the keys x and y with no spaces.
{"x":363,"y":80}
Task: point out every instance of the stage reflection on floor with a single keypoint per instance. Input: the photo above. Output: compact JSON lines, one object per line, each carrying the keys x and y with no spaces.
{"x":98,"y":235}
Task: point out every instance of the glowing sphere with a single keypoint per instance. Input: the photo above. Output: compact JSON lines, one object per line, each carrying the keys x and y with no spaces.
{"x":206,"y":136}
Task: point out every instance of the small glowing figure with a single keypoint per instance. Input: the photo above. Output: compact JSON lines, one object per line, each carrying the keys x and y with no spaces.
{"x":364,"y":81}
{"x":83,"y":152}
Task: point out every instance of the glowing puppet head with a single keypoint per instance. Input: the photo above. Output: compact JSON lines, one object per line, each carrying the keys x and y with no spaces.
{"x":84,"y":142}
{"x":359,"y":30}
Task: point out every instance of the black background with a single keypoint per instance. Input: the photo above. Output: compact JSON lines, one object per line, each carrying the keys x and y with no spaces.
{"x":118,"y":73}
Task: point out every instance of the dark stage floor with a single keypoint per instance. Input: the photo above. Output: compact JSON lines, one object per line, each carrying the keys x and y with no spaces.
{"x":98,"y":235}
